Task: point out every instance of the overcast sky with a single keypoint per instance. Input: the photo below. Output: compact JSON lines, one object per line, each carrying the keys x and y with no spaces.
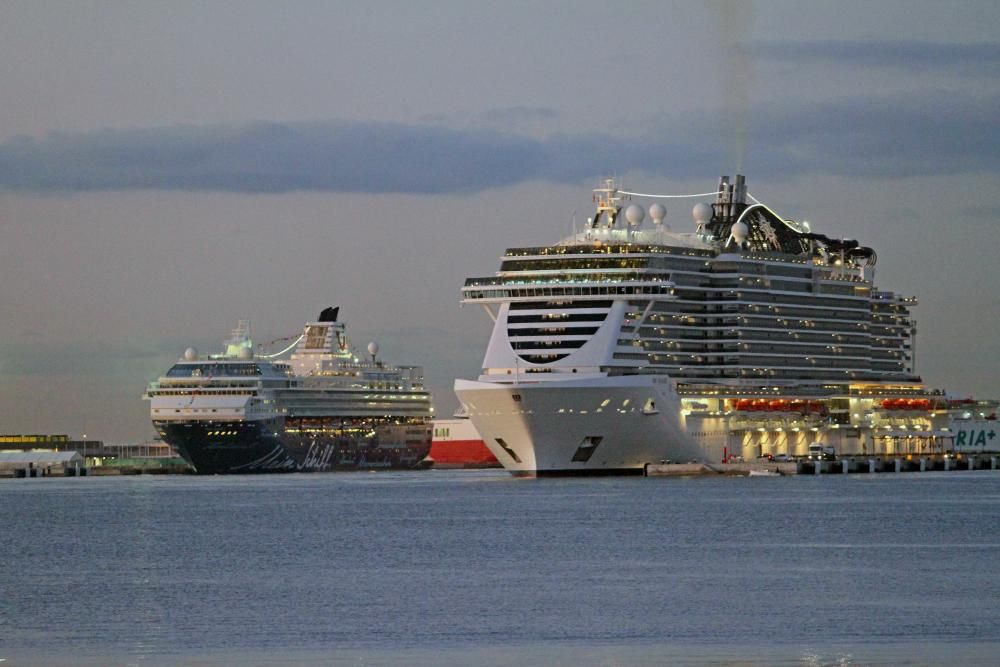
{"x":167,"y":169}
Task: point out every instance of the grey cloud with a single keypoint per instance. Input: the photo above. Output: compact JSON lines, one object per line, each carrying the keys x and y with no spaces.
{"x":503,"y":118}
{"x":933,"y":132}
{"x":268,"y":157}
{"x":515,"y":116}
{"x":904,"y":55}
{"x":338,"y":157}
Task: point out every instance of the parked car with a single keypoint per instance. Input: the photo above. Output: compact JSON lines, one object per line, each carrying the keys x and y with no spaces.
{"x":820,"y":452}
{"x":783,"y":458}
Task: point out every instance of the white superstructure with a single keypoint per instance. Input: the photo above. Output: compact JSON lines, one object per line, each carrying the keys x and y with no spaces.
{"x":321,"y":384}
{"x":627,"y":344}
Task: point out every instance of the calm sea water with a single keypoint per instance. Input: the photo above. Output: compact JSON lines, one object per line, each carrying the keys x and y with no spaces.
{"x":456,"y":568}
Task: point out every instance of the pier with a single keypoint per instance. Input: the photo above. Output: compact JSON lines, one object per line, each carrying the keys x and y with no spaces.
{"x":41,"y":464}
{"x":848,"y":465}
{"x":27,"y":456}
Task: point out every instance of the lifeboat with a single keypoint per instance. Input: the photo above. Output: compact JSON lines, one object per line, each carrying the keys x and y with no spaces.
{"x":907,"y":404}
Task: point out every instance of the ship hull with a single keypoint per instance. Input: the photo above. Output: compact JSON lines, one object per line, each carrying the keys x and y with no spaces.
{"x":254,"y":447}
{"x":597,"y":426}
{"x":463,"y":454}
{"x":457,"y":444}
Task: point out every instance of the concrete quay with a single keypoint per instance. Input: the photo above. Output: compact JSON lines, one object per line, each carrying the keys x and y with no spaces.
{"x":900,"y":463}
{"x":842,"y":466}
{"x":96,"y":471}
{"x":709,"y":469}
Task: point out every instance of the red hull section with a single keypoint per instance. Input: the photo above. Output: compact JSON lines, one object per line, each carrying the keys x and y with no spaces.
{"x":462,"y":453}
{"x":456,"y":444}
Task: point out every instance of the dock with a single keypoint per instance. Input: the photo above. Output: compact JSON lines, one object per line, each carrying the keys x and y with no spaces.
{"x":711,"y":469}
{"x":848,"y":465}
{"x":99,"y":471}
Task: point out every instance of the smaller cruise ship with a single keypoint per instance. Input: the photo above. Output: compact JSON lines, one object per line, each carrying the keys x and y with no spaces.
{"x":325,"y":408}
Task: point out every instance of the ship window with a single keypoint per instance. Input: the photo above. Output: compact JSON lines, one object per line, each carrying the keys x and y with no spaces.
{"x":216,"y":370}
{"x":587,"y":448}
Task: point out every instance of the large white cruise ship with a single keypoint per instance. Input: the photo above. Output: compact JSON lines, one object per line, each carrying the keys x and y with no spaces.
{"x":629,"y":343}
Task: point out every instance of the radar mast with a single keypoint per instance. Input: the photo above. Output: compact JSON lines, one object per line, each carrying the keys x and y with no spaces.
{"x":607,"y":199}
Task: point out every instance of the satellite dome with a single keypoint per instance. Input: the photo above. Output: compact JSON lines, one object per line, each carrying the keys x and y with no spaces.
{"x":245,"y":353}
{"x":657,"y":212}
{"x":740,"y":232}
{"x":635,"y":214}
{"x":373,"y":348}
{"x":190,"y":354}
{"x":702,"y":213}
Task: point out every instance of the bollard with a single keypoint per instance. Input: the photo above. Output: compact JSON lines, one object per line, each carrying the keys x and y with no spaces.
{"x":993,"y":463}
{"x":845,"y":465}
{"x":898,"y":465}
{"x":923,"y":465}
{"x":972,"y":463}
{"x":817,"y":467}
{"x":871,"y":465}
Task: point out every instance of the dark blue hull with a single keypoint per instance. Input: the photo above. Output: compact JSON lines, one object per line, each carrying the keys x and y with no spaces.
{"x":268,"y":447}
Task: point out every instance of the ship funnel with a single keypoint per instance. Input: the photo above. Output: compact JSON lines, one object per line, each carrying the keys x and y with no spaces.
{"x":731,"y":199}
{"x":740,"y":195}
